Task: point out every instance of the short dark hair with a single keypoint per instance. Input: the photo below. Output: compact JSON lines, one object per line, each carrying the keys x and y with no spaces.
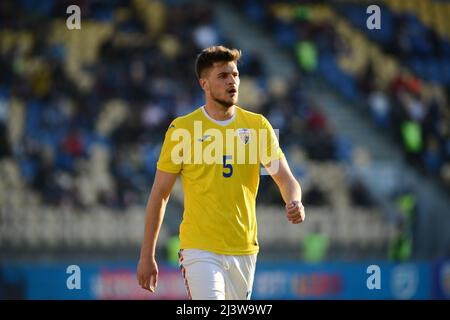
{"x":209,"y":56}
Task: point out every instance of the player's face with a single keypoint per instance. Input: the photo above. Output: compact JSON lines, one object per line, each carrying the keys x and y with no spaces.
{"x":222,"y":83}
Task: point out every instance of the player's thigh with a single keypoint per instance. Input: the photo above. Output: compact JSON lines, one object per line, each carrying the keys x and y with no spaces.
{"x":204,"y":277}
{"x":241,"y":277}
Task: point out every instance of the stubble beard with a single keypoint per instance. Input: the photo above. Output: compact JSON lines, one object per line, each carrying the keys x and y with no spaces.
{"x":224,"y":103}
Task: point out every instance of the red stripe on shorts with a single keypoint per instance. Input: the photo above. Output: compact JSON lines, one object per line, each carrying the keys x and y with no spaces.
{"x":183,"y":272}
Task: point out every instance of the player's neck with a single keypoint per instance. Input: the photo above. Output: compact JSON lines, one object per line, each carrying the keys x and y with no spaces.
{"x":219,"y":112}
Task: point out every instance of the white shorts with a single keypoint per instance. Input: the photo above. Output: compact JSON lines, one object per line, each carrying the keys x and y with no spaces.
{"x":211,"y":276}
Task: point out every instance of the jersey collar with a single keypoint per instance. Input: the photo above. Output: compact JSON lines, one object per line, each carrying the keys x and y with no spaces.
{"x":222,"y":123}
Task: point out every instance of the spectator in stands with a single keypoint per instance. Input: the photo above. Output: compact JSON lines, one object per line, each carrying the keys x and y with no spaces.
{"x":380,"y":107}
{"x":315,"y":196}
{"x":400,"y":249}
{"x":5,"y":149}
{"x":432,"y":155}
{"x":315,"y":246}
{"x":360,"y":195}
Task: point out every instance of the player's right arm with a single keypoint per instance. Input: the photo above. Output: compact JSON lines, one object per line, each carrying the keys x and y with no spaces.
{"x":147,"y":271}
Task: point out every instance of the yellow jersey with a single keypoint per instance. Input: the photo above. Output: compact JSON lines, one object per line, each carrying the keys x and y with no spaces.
{"x":219,"y":163}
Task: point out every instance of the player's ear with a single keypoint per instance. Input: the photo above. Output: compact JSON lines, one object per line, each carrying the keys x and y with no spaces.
{"x":204,"y":84}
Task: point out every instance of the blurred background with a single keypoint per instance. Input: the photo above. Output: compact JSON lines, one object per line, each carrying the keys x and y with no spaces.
{"x":364,"y":120}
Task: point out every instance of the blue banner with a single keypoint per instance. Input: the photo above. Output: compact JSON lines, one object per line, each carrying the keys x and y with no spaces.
{"x":96,"y":281}
{"x":441,"y":280}
{"x":375,"y":280}
{"x":343,"y":281}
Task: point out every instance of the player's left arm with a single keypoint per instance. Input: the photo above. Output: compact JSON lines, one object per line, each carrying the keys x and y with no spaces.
{"x":289,"y":188}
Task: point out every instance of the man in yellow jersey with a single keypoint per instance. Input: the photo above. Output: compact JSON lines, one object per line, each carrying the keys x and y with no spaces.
{"x":217,"y":151}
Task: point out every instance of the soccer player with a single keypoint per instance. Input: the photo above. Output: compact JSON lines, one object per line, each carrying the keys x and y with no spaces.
{"x":217,"y":150}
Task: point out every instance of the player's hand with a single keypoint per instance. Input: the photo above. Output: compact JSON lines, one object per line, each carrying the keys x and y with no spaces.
{"x":147,"y":274}
{"x":295,"y":212}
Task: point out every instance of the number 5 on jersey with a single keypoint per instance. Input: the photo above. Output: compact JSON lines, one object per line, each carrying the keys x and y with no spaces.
{"x":227,"y":167}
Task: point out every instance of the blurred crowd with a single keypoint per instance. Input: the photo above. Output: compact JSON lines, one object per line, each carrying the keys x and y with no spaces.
{"x":401,"y":73}
{"x":91,"y":135}
{"x":83,"y":112}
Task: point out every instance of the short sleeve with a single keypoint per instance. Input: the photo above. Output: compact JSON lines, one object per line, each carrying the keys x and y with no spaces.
{"x":167,"y":162}
{"x":268,"y":141}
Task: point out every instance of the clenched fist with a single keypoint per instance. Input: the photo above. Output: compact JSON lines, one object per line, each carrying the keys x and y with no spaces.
{"x":295,"y":212}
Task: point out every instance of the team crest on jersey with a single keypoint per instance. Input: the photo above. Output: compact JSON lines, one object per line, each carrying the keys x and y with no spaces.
{"x":244,"y":135}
